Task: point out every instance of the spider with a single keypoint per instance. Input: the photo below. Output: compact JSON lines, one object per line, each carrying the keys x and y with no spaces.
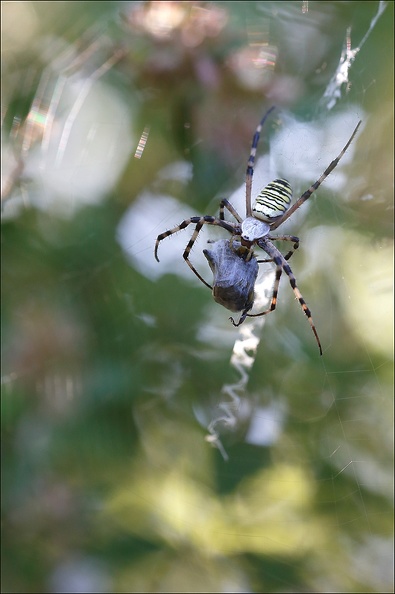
{"x":271,"y":208}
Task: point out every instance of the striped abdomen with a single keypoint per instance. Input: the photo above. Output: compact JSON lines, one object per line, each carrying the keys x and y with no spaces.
{"x":273,"y":201}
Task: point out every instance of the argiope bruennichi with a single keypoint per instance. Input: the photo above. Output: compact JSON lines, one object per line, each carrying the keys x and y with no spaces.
{"x":234,"y":259}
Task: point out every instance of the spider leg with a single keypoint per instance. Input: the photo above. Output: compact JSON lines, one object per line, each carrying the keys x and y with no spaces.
{"x":291,"y":238}
{"x":187,"y":251}
{"x":199,"y":222}
{"x":243,"y":252}
{"x":226,"y":204}
{"x":251,"y":162}
{"x":242,"y":318}
{"x":192,"y":220}
{"x":287,"y":256}
{"x":162,"y":236}
{"x":273,"y":302}
{"x":306,"y":195}
{"x":282,"y":265}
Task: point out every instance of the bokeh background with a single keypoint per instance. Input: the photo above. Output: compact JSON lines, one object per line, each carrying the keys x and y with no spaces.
{"x":120,"y":119}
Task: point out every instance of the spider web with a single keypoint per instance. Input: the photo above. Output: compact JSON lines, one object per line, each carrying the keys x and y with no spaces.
{"x":309,"y":437}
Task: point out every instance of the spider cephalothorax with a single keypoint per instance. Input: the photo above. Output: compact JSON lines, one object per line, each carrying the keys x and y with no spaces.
{"x":233,"y":261}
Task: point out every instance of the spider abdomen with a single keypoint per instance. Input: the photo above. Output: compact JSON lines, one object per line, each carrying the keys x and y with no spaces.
{"x":235,"y":270}
{"x":273,"y":201}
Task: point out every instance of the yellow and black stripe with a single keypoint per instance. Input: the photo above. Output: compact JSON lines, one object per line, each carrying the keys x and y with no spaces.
{"x":273,"y":201}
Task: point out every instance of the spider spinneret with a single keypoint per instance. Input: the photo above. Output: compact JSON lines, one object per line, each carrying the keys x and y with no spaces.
{"x":233,"y":261}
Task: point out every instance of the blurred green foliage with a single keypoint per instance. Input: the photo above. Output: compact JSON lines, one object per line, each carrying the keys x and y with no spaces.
{"x":108,"y":482}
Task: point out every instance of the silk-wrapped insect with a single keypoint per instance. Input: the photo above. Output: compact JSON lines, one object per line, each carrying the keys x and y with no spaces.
{"x":235,"y":271}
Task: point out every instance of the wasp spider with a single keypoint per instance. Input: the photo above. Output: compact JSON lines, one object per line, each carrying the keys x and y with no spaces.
{"x":270,"y":209}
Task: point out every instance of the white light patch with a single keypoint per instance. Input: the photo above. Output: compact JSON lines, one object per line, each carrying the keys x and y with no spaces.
{"x":266,"y":425}
{"x":153,"y":214}
{"x":85,"y":153}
